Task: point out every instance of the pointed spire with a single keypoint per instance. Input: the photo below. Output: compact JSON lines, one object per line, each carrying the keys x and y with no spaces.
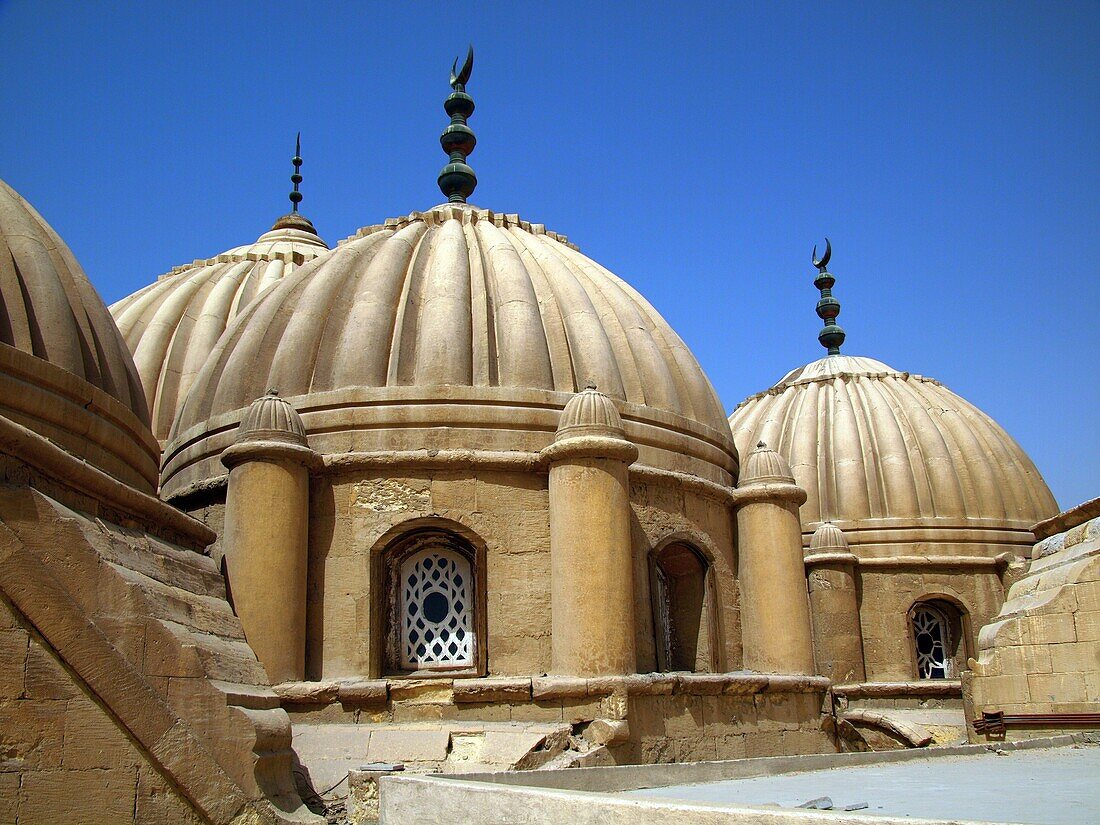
{"x":296,"y":178}
{"x":293,"y":219}
{"x":457,"y":180}
{"x":828,"y":307}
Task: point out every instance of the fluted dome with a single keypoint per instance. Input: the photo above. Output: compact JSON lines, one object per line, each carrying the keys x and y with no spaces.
{"x":876,"y":448}
{"x":270,"y":418}
{"x":455,"y":327}
{"x":172,"y":325}
{"x":65,"y":371}
{"x":765,"y":466}
{"x":589,"y":413}
{"x":828,"y":538}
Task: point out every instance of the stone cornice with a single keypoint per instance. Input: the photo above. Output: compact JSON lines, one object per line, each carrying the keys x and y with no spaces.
{"x":277,"y":451}
{"x":768,"y":492}
{"x":590,"y":446}
{"x":71,"y":473}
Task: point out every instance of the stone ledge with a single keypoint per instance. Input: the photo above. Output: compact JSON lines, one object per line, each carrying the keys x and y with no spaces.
{"x":492,"y":690}
{"x":520,"y":690}
{"x":890,"y":690}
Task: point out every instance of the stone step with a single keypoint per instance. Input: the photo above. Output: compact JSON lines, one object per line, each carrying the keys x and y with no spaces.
{"x":205,"y":613}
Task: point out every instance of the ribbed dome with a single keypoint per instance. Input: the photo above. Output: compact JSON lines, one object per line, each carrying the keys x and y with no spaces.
{"x":828,"y":538}
{"x":51,"y":311}
{"x":270,"y":418}
{"x":870,"y":443}
{"x":589,"y":413}
{"x":65,"y":372}
{"x":488,"y":310}
{"x":765,"y":466}
{"x":172,"y":325}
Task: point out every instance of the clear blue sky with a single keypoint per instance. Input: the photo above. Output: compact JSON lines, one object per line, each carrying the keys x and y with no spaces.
{"x":950,"y":151}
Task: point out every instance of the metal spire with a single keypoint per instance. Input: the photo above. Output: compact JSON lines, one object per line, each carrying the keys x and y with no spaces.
{"x":828,"y":308}
{"x":294,"y":220}
{"x":457,"y":180}
{"x":296,"y":178}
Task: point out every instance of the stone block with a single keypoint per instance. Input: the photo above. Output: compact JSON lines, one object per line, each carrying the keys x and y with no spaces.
{"x":1057,"y":687}
{"x":45,"y":678}
{"x":308,"y":693}
{"x":1048,"y":628}
{"x":492,"y":690}
{"x":607,"y":731}
{"x":78,"y":797}
{"x":156,"y":803}
{"x":1087,"y":624}
{"x":420,"y":712}
{"x":93,"y":740}
{"x":32,"y":732}
{"x":1088,"y":596}
{"x":363,"y":691}
{"x":408,"y":745}
{"x":14,"y":644}
{"x":558,"y":687}
{"x":9,"y":796}
{"x":1075,"y":657}
{"x":990,"y":692}
{"x":538,"y":712}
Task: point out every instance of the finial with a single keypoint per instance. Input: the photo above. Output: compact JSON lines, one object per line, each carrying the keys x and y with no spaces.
{"x":590,"y":384}
{"x":457,"y":180}
{"x":272,"y":391}
{"x":296,"y":178}
{"x":760,"y":445}
{"x":828,"y":307}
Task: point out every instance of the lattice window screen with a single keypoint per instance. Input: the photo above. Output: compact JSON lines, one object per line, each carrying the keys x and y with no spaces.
{"x":437,"y":611}
{"x":930,"y":632}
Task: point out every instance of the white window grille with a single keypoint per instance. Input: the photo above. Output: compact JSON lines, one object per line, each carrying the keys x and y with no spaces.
{"x":437,"y":611}
{"x":931,"y":634}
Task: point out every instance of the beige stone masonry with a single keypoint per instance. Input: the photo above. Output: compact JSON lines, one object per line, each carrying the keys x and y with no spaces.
{"x":1041,"y":654}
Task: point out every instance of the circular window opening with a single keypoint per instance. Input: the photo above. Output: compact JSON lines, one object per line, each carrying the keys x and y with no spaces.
{"x":436,"y":607}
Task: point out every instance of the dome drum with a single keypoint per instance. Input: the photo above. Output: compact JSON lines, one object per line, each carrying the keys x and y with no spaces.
{"x":380,"y":421}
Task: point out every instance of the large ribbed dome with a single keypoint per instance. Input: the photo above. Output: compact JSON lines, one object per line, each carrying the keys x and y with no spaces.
{"x":65,"y":372}
{"x":172,"y":325}
{"x":874,"y":447}
{"x":456,"y":327}
{"x":51,"y":311}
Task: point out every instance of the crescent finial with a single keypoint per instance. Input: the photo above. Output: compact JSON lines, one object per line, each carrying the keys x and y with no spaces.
{"x":824,"y":262}
{"x":463,"y":76}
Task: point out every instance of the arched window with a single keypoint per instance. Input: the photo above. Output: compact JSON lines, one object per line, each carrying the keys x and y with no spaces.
{"x":432,"y":614}
{"x":937,"y":631}
{"x":683,"y":610}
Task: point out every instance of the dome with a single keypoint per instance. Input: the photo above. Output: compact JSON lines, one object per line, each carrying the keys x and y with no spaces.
{"x":453,"y":328}
{"x":270,"y":418}
{"x":876,"y":448}
{"x":65,"y":372}
{"x":589,"y":413}
{"x":172,"y":325}
{"x":765,"y":466}
{"x":828,"y":538}
{"x":52,"y":311}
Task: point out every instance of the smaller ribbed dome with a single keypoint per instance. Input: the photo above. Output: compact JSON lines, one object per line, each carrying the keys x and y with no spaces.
{"x":765,"y":466}
{"x":270,"y":418}
{"x":172,"y":325}
{"x":589,"y":412}
{"x":828,"y":538}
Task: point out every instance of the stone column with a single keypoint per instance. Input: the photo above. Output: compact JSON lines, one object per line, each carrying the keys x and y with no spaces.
{"x":592,"y":581}
{"x":266,"y":535}
{"x":775,"y":610}
{"x":834,"y":606}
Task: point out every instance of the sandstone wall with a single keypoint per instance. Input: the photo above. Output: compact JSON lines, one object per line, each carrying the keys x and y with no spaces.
{"x":1041,"y":654}
{"x":888,"y":593}
{"x":147,"y":644}
{"x":64,"y":758}
{"x":355,"y":515}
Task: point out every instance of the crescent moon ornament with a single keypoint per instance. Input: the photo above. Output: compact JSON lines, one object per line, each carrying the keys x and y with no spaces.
{"x":463,"y":75}
{"x":824,"y":262}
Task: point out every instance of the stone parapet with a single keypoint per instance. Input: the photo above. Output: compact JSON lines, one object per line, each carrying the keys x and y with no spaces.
{"x":1040,"y":656}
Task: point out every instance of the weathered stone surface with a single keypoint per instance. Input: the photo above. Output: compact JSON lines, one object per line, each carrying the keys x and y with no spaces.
{"x":492,"y":690}
{"x":408,"y":745}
